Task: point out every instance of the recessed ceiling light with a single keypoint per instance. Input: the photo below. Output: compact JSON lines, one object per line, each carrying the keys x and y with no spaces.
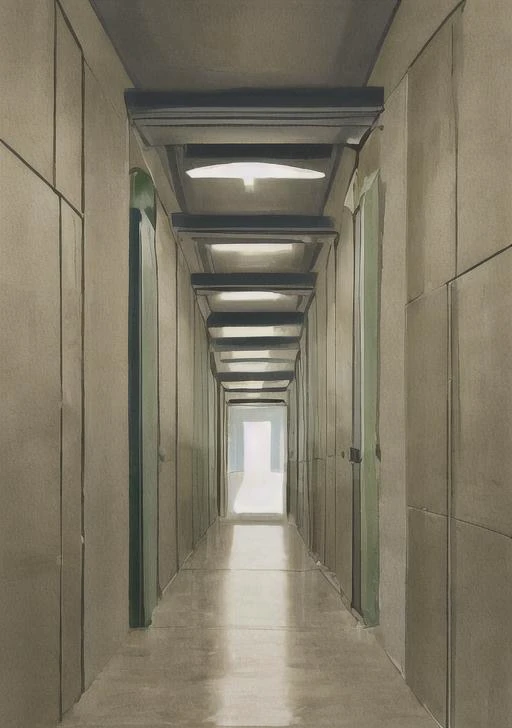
{"x":251,"y":171}
{"x":250,"y":296}
{"x":258,"y":366}
{"x":236,"y":331}
{"x":252,"y":248}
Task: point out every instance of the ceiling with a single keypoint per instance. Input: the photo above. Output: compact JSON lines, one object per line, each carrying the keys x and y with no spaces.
{"x":258,"y":83}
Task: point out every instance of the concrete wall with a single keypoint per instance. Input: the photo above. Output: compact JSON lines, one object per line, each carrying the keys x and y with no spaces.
{"x":443,"y":155}
{"x":446,"y":62}
{"x":64,"y":176}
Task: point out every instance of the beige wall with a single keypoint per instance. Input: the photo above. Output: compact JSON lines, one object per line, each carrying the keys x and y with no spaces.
{"x":451,"y":62}
{"x":64,"y":176}
{"x":443,"y":151}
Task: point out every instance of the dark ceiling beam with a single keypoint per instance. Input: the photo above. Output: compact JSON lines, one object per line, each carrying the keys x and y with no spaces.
{"x":255,"y":376}
{"x":299,"y":152}
{"x":261,"y":224}
{"x":262,"y":343}
{"x":255,"y":343}
{"x":289,"y":282}
{"x":269,"y":392}
{"x":255,"y":318}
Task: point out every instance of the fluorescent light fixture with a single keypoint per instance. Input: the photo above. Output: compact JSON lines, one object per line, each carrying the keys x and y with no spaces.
{"x":243,"y":355}
{"x":227,"y":332}
{"x":236,"y":355}
{"x":252,"y":248}
{"x":251,"y":171}
{"x":259,"y":366}
{"x":250,"y":296}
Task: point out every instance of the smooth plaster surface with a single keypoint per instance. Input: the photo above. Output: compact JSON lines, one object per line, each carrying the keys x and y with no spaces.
{"x":250,"y":633}
{"x":29,"y":447}
{"x":482,"y":658}
{"x":27,"y":81}
{"x":185,"y":424}
{"x":431,"y":168}
{"x":344,"y":307}
{"x":414,"y":24}
{"x":392,"y":484}
{"x":483,"y":55}
{"x":71,"y":596}
{"x":426,"y":635}
{"x":482,"y":457}
{"x":427,"y":401}
{"x":105,"y":378}
{"x":68,"y":114}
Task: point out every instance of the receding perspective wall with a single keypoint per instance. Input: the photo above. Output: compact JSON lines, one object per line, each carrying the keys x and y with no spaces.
{"x":446,"y":64}
{"x":442,"y":149}
{"x":64,"y":459}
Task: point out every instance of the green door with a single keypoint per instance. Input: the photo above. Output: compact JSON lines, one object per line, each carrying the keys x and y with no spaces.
{"x":143,"y":362}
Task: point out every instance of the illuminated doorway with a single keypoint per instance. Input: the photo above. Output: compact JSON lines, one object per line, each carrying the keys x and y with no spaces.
{"x":256,"y":473}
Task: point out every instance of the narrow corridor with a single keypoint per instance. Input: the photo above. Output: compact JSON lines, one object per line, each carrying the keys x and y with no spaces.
{"x":250,"y":633}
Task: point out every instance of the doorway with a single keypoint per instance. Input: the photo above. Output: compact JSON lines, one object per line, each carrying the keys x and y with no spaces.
{"x":143,"y":403}
{"x":256,"y":462}
{"x":364,"y":451}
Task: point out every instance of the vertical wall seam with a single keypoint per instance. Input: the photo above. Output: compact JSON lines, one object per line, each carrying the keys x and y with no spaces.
{"x":54,"y":141}
{"x":450,"y":474}
{"x":82,"y":514}
{"x":449,"y":507}
{"x":61,"y":406}
{"x":158,"y":585}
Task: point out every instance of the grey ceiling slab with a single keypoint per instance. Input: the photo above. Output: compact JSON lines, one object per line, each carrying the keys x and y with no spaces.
{"x":203,"y":284}
{"x":298,"y":243}
{"x":292,"y":116}
{"x":253,"y":292}
{"x":242,"y":324}
{"x":224,"y":44}
{"x":255,"y":343}
{"x":256,"y":376}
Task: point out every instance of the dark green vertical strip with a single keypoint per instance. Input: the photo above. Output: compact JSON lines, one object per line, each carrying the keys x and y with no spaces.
{"x":136,"y":611}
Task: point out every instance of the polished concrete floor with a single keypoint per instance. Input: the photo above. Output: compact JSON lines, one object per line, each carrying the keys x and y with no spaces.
{"x":250,"y":633}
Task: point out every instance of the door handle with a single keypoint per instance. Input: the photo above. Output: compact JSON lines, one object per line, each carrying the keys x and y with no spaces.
{"x":354,"y":456}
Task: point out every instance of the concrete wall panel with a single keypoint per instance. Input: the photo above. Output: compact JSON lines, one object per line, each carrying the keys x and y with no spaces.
{"x":29,"y":448}
{"x":68,"y":115}
{"x":427,"y":398}
{"x":71,"y":283}
{"x":431,"y":168}
{"x":415,"y":22}
{"x":484,"y":107}
{"x":482,"y":456}
{"x":344,"y":524}
{"x":482,"y":658}
{"x":330,"y":407}
{"x":330,"y":513}
{"x":26,"y":80}
{"x":166,"y":258}
{"x":106,"y":378}
{"x":318,"y":473}
{"x":185,"y":423}
{"x":392,"y":496}
{"x":426,"y":646}
{"x":99,"y":52}
{"x":344,"y":323}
